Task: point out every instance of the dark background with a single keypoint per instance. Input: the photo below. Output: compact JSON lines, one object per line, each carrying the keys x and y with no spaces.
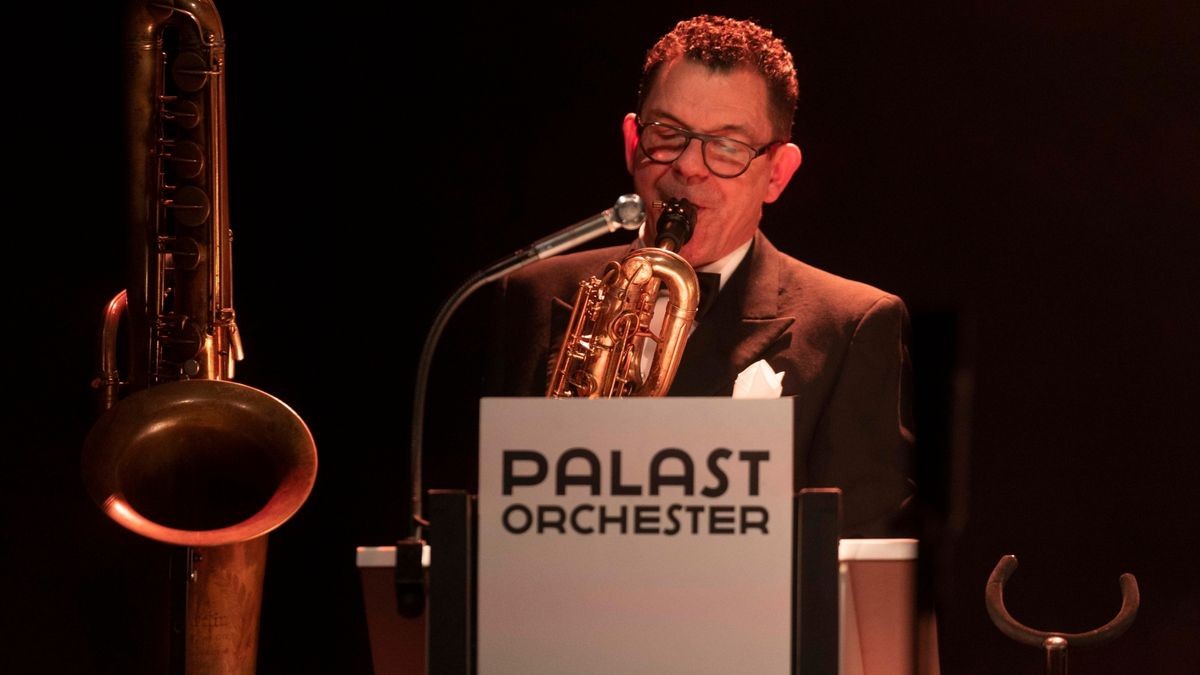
{"x":1025,"y":177}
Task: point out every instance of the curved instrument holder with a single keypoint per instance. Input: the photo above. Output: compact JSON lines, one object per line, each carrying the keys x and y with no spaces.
{"x":1056,"y":643}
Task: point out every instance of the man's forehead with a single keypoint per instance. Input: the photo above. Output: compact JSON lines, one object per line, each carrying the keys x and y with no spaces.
{"x":714,"y":100}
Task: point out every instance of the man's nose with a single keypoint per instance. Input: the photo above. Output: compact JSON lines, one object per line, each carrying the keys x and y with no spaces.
{"x":690,"y":163}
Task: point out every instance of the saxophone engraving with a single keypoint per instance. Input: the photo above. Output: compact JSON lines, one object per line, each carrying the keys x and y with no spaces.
{"x":181,"y":454}
{"x":610,"y":324}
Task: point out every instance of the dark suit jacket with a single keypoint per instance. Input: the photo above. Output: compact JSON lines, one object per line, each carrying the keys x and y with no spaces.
{"x":842,"y":345}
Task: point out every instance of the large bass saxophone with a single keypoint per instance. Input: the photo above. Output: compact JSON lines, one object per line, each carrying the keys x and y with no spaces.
{"x":181,"y":454}
{"x":601,"y":353}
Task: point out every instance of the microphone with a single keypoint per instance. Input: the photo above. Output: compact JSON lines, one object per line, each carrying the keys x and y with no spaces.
{"x":629,"y":212}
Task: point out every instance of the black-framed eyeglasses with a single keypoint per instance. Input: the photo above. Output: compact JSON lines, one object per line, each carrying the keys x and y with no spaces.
{"x":724,"y":157}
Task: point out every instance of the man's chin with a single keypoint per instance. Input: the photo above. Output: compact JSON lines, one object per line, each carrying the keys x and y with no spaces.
{"x":693,"y":257}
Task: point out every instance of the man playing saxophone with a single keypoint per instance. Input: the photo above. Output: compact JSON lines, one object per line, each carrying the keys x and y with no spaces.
{"x":713,"y":127}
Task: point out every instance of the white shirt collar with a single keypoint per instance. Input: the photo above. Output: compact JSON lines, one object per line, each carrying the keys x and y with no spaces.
{"x":726,"y":265}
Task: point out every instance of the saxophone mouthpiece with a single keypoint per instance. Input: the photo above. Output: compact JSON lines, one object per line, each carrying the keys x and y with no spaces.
{"x":676,"y":224}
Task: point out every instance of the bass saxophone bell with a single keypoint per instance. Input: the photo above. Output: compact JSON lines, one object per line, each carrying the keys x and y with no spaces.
{"x":600,"y":356}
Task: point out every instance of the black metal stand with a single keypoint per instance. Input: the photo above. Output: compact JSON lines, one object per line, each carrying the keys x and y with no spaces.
{"x":450,"y":632}
{"x":815,"y":585}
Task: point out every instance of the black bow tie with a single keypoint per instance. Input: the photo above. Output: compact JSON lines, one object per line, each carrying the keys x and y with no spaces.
{"x":710,"y":284}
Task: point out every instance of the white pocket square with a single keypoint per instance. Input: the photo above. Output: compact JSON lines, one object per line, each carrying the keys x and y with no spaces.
{"x":758,"y":381}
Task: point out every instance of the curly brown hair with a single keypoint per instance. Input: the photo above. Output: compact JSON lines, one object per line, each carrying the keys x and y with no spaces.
{"x":723,"y":44}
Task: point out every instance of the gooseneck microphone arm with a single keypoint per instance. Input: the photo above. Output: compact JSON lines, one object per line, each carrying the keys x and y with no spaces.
{"x":627,"y":213}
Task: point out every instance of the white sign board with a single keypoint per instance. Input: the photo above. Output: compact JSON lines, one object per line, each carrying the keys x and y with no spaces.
{"x":635,"y":535}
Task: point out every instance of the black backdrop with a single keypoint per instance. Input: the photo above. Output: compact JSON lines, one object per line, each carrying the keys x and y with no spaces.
{"x":1025,"y":177}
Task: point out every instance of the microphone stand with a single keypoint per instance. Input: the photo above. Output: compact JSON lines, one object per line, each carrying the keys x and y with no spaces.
{"x":628,"y":213}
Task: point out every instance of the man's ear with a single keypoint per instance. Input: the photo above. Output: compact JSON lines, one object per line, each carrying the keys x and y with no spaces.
{"x":630,"y":132}
{"x":785,"y":159}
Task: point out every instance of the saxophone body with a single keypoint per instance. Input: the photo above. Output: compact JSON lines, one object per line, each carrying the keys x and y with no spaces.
{"x":180,"y":453}
{"x":601,"y":354}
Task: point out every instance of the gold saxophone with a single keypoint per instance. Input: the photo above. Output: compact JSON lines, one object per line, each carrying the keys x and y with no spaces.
{"x":601,"y":353}
{"x":189,"y":457}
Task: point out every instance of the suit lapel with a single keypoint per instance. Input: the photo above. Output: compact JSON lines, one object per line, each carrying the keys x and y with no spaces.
{"x":713,"y":359}
{"x":739,"y":330}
